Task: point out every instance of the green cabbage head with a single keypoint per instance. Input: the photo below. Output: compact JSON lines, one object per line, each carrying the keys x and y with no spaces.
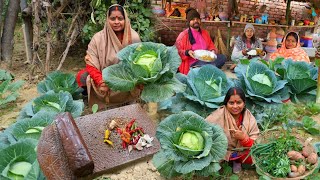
{"x":153,"y":65}
{"x":146,"y":60}
{"x":260,"y":83}
{"x":206,"y":85}
{"x":189,"y":144}
{"x":192,"y":140}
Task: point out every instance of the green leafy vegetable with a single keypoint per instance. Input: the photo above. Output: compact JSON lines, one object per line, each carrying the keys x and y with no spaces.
{"x":189,"y":144}
{"x":19,"y":169}
{"x":152,"y":64}
{"x":271,"y":157}
{"x":260,"y":83}
{"x":58,"y":81}
{"x":301,"y":78}
{"x":32,"y":127}
{"x":310,"y":125}
{"x":262,"y":78}
{"x":8,"y":88}
{"x":20,"y":161}
{"x":53,"y":102}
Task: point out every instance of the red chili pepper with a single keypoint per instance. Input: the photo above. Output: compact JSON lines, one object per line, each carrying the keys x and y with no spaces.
{"x":128,"y":127}
{"x":124,"y":145}
{"x":135,"y":130}
{"x":119,"y":131}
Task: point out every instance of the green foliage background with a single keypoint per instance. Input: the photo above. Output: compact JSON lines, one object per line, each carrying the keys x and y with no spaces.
{"x":139,"y":12}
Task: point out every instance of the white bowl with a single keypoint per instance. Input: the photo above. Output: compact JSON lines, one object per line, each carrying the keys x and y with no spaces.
{"x":205,"y":55}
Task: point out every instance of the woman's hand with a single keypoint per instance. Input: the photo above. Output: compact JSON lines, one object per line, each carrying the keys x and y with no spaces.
{"x":244,"y":52}
{"x":238,"y":134}
{"x":191,"y":54}
{"x":103,"y":87}
{"x":140,"y":86}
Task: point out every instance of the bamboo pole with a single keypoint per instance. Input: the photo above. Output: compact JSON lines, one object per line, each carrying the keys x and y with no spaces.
{"x":71,"y":41}
{"x":36,"y":40}
{"x":27,"y":29}
{"x":288,"y":11}
{"x":48,"y":38}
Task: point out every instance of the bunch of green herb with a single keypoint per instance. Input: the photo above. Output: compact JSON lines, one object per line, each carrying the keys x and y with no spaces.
{"x":272,"y":157}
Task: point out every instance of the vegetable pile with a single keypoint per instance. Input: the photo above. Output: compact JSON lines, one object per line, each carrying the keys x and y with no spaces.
{"x":284,"y":157}
{"x":132,"y":136}
{"x":189,"y":145}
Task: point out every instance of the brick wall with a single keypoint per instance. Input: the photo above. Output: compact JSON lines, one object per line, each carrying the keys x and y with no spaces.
{"x":275,"y":8}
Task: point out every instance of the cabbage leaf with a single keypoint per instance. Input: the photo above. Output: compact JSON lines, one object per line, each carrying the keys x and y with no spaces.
{"x":59,"y":81}
{"x":302,"y":80}
{"x":152,"y":64}
{"x":173,"y":159}
{"x":53,"y":102}
{"x":19,"y":161}
{"x":260,"y":83}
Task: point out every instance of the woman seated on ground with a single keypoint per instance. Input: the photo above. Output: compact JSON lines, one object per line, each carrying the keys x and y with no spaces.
{"x":239,"y":125}
{"x":247,"y":42}
{"x":102,"y":49}
{"x":291,"y":48}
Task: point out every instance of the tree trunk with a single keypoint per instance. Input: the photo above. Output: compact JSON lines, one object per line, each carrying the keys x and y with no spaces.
{"x":1,"y":8}
{"x":27,"y":28}
{"x":36,"y":62}
{"x":8,"y":31}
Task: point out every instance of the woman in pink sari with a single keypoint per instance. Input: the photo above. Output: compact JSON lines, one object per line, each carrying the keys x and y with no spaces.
{"x":291,"y":49}
{"x":102,"y":50}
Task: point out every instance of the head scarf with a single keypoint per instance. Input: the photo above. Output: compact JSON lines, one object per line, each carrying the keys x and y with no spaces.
{"x":296,"y":54}
{"x":248,"y":26}
{"x":192,"y":13}
{"x":105,"y":44}
{"x":102,"y":52}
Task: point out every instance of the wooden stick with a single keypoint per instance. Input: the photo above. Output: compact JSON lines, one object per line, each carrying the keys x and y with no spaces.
{"x":61,"y":8}
{"x":73,"y":22}
{"x":36,"y":39}
{"x":71,"y":41}
{"x":48,"y":37}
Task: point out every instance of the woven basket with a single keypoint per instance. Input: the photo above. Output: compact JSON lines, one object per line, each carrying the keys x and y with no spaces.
{"x":306,"y":173}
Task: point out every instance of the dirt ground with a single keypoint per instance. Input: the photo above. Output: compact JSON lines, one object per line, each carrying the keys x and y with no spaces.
{"x":142,"y":169}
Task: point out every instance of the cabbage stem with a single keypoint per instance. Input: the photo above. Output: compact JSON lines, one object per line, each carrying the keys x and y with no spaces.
{"x":318,"y":84}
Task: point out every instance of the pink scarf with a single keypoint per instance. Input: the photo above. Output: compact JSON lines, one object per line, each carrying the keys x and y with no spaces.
{"x":296,"y":54}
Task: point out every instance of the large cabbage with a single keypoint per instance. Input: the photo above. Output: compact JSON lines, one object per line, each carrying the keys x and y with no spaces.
{"x":19,"y":161}
{"x":302,"y":79}
{"x":260,"y":83}
{"x":189,"y":144}
{"x":152,"y":64}
{"x":206,"y":89}
{"x":59,"y":81}
{"x":52,"y":102}
{"x":206,"y":85}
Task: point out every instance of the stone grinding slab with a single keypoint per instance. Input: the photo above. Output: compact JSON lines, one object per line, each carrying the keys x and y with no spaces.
{"x":92,"y":127}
